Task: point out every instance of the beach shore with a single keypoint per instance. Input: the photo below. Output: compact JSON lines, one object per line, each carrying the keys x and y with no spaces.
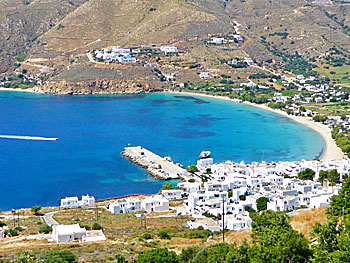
{"x":331,"y":151}
{"x":18,"y":90}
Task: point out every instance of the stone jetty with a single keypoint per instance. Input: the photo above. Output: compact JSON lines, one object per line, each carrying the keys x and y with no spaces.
{"x":159,"y":167}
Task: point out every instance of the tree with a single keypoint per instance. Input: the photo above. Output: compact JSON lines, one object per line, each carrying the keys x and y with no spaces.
{"x":159,"y":255}
{"x":322,"y":176}
{"x":333,"y":177}
{"x":167,"y":186}
{"x":275,"y":241}
{"x":341,"y":203}
{"x":2,"y":224}
{"x":36,"y":210}
{"x":192,"y":169}
{"x":332,"y":241}
{"x":261,"y":203}
{"x":307,"y":174}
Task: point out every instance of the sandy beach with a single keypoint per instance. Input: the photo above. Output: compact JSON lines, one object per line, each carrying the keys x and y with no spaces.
{"x":331,"y":151}
{"x":18,"y":90}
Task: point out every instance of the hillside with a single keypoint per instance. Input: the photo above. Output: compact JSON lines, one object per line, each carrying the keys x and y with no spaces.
{"x":283,"y":36}
{"x":23,"y":21}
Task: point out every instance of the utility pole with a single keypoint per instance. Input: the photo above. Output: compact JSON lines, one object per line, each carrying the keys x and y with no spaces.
{"x":223,"y":218}
{"x":14,"y":217}
{"x":145,"y":222}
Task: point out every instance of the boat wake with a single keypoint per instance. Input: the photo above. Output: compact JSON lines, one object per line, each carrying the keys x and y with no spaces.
{"x":31,"y":138}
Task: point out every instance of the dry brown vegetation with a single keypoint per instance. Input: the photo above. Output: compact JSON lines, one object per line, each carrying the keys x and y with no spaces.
{"x":304,"y":221}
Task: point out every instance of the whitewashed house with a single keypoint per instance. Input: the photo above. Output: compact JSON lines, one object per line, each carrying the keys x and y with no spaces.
{"x":69,"y":201}
{"x":217,"y":40}
{"x":169,"y":50}
{"x":205,"y":223}
{"x":238,"y":222}
{"x":204,"y":75}
{"x":189,"y":187}
{"x":155,"y":204}
{"x":318,"y":100}
{"x":171,"y":195}
{"x":67,"y":233}
{"x":1,"y":233}
{"x":86,"y":200}
{"x":202,"y":164}
{"x":287,"y":203}
{"x":125,"y":206}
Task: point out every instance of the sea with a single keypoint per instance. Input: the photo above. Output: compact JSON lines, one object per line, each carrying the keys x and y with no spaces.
{"x":92,"y":132}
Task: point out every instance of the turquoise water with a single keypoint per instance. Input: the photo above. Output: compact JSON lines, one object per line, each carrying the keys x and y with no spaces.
{"x":93,"y":130}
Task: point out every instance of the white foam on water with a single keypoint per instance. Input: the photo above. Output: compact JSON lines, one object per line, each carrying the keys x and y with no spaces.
{"x":31,"y":138}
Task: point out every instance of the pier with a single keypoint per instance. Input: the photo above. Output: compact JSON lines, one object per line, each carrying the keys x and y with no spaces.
{"x":155,"y":165}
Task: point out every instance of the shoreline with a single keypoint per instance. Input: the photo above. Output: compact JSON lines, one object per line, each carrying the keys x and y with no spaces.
{"x":331,"y":150}
{"x":29,"y":90}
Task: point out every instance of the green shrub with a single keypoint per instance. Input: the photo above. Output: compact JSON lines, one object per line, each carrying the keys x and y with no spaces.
{"x":97,"y":226}
{"x":164,"y":234}
{"x":45,"y":229}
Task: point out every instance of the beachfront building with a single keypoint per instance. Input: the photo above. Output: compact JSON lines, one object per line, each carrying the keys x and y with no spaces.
{"x":86,"y":200}
{"x":67,"y":233}
{"x":125,"y":206}
{"x":155,"y":203}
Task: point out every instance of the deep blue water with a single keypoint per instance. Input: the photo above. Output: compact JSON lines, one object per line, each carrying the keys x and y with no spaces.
{"x":93,"y":130}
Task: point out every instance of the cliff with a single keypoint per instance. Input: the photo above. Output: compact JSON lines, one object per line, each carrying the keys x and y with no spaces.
{"x":98,"y":86}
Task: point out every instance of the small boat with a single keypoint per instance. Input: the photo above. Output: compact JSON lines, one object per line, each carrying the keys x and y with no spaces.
{"x":204,"y":154}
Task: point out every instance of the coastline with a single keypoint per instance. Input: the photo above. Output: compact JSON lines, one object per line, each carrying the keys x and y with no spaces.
{"x":331,"y":150}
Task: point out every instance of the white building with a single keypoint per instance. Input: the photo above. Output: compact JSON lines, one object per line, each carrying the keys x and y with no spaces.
{"x":238,"y":222}
{"x":169,"y":50}
{"x":125,"y":206}
{"x":86,"y":200}
{"x":69,"y":201}
{"x":171,"y":195}
{"x":206,"y":223}
{"x":202,"y":164}
{"x":217,"y":40}
{"x":204,"y":75}
{"x":189,"y":187}
{"x":287,"y":203}
{"x":67,"y":233}
{"x":93,"y":236}
{"x":155,"y":204}
{"x":1,"y":233}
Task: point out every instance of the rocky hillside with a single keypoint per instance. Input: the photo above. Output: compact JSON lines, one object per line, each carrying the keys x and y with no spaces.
{"x":57,"y":34}
{"x":22,"y":22}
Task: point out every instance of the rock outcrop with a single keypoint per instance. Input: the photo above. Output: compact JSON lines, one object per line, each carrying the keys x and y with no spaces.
{"x":98,"y":86}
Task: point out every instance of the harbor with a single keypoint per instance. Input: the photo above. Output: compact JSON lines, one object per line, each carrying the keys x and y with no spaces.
{"x":157,"y":166}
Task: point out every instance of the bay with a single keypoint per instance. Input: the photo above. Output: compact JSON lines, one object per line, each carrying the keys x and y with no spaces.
{"x":93,"y":130}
